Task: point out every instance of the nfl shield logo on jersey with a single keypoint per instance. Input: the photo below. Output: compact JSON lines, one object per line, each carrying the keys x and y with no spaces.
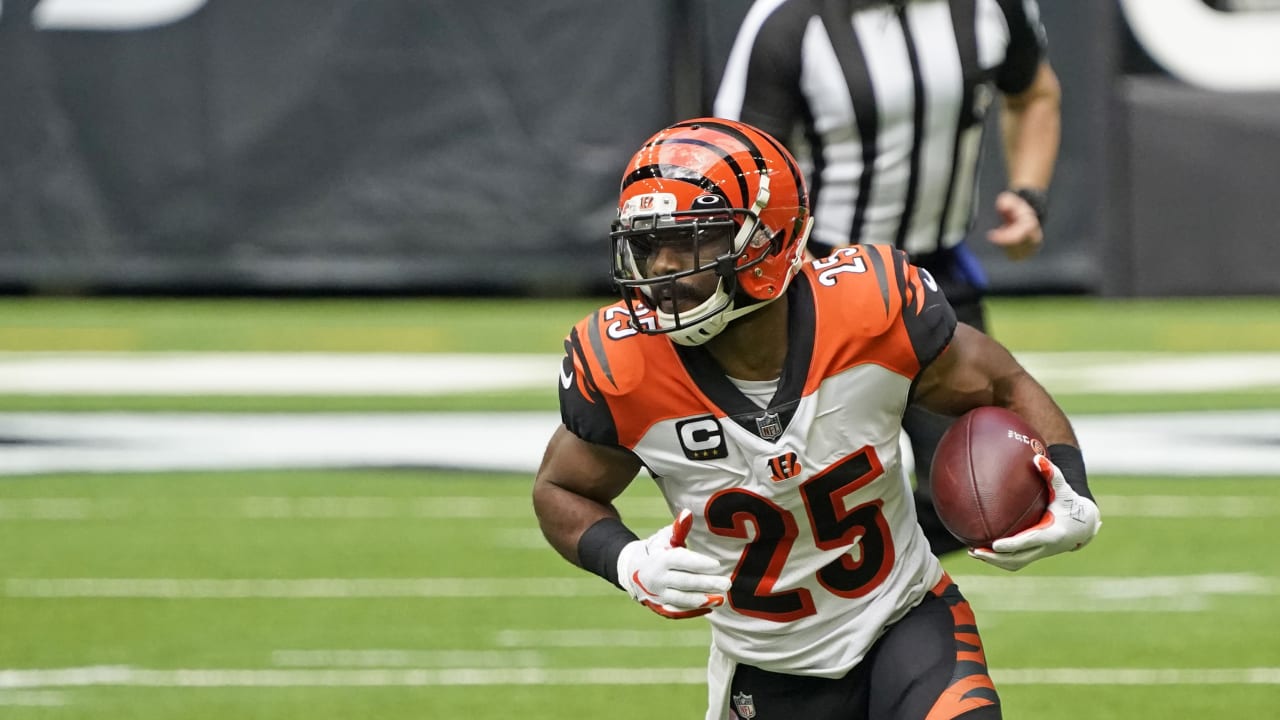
{"x":744,"y":705}
{"x":769,"y":425}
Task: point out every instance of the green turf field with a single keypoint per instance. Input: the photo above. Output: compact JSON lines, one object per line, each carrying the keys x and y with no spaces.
{"x":334,"y":594}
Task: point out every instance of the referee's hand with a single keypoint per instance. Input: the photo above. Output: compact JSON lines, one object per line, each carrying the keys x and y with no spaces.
{"x":1019,"y":234}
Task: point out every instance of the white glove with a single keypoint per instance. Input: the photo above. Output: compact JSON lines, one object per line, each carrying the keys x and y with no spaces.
{"x":1069,"y":524}
{"x":668,"y":578}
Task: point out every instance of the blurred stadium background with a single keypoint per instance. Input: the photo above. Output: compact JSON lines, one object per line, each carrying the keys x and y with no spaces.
{"x":283,"y":289}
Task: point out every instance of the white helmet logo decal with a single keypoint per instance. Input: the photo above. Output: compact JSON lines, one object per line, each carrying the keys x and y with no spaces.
{"x":647,"y":204}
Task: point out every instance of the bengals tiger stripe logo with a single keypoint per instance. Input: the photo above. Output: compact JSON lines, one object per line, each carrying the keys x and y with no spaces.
{"x":784,"y":467}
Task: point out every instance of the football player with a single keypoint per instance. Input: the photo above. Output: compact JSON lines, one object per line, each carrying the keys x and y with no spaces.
{"x":764,"y":397}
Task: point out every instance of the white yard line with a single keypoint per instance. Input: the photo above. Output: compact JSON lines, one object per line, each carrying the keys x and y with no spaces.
{"x":489,"y":509}
{"x":126,"y":676}
{"x":1138,"y":676}
{"x":306,"y":588}
{"x":1153,"y":372}
{"x":1181,"y":593}
{"x":388,"y":658}
{"x":271,"y":373}
{"x":602,"y":637}
{"x":265,"y":678}
{"x":31,"y":698}
{"x":152,"y":442}
{"x":248,"y":373}
{"x":1225,"y":443}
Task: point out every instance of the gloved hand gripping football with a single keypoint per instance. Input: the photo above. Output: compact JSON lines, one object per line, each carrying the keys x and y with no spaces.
{"x":668,"y":578}
{"x":1069,"y":524}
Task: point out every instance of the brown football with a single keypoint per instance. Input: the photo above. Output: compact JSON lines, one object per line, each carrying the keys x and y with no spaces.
{"x":985,"y":486}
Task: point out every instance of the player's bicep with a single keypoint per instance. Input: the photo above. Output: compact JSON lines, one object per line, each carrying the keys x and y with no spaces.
{"x":575,"y":487}
{"x":972,"y":371}
{"x":598,"y":473}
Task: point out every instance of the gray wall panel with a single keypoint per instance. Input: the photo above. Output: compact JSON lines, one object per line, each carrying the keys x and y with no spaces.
{"x":435,"y":146}
{"x":1205,"y":171}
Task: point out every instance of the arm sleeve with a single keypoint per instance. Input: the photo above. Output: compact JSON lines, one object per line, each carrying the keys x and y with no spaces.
{"x":1028,"y":46}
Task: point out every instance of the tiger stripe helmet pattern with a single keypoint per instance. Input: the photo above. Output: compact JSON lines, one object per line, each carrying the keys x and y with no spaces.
{"x":694,"y":179}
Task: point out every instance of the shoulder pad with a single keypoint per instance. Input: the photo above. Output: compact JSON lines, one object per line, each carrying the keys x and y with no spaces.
{"x":609,"y":352}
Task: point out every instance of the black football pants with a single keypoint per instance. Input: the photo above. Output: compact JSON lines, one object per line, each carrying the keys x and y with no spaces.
{"x":930,"y":664}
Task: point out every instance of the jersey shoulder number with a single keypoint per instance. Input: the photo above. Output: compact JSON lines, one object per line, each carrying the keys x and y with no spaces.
{"x":872,"y":299}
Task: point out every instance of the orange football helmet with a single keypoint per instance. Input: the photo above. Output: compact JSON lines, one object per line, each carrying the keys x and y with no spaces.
{"x":732,"y":200}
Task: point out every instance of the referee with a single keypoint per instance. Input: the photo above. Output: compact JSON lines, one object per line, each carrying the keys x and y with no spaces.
{"x":884,"y":101}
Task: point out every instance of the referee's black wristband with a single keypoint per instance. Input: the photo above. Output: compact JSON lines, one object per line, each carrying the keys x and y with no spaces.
{"x":1070,"y":461}
{"x":600,"y":546}
{"x":1037,"y":199}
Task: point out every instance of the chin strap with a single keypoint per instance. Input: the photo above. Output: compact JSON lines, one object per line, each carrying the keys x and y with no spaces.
{"x":713,"y":325}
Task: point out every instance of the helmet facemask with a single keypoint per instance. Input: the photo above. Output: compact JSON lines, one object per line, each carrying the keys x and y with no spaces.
{"x":664,"y":264}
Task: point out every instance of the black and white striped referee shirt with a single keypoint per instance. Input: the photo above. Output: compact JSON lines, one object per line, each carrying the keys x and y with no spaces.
{"x":884,"y":103}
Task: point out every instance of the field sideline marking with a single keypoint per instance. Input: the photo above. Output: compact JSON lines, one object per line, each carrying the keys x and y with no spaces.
{"x":265,"y":373}
{"x":602,"y":637}
{"x":304,"y":588}
{"x":276,"y":508}
{"x":388,"y":658}
{"x":109,"y":675}
{"x":1175,"y":593}
{"x":272,"y":374}
{"x":1227,"y":442}
{"x":505,"y":508}
{"x":446,"y":659}
{"x":31,"y":698}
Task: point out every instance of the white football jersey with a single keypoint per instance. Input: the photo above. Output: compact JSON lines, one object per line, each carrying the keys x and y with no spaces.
{"x":804,"y":503}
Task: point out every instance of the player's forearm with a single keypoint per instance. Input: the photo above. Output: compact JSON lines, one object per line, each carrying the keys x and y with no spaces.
{"x":1025,"y":396}
{"x":1021,"y":393}
{"x":564,"y":516}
